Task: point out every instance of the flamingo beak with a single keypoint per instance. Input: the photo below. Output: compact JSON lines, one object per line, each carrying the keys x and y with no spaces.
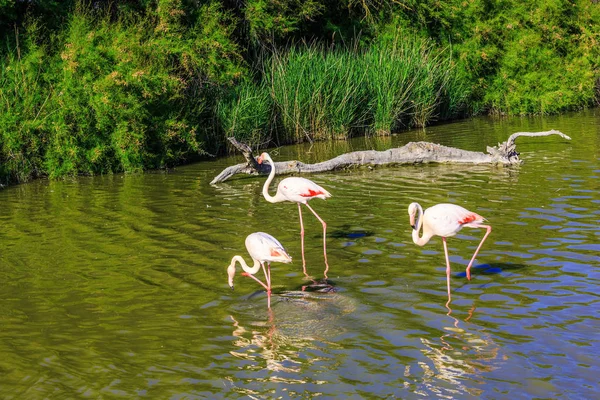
{"x":259,"y":159}
{"x":412,"y":221}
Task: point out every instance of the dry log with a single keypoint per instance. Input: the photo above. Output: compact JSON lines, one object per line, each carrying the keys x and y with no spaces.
{"x":411,"y":153}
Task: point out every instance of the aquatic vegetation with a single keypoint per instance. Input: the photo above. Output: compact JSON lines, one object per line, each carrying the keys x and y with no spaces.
{"x":128,"y":86}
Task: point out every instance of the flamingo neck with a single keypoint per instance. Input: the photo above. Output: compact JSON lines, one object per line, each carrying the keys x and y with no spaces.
{"x":421,"y":241}
{"x":245,"y":266}
{"x":271,"y":199}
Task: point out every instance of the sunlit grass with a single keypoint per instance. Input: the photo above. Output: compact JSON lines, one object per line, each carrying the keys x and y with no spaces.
{"x":323,"y":93}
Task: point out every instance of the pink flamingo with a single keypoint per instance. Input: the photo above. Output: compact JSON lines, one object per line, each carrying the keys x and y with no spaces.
{"x":263,"y":248}
{"x":299,"y":191}
{"x":444,"y":220}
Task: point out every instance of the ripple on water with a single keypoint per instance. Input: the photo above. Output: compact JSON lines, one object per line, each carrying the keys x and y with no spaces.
{"x":116,"y":285}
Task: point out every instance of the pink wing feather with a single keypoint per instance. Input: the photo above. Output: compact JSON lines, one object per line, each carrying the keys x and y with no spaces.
{"x":447,"y":219}
{"x":300,"y":190}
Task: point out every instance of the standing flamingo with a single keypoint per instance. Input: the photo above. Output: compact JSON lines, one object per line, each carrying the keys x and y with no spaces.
{"x":444,"y":220}
{"x":299,"y":191}
{"x":263,"y":248}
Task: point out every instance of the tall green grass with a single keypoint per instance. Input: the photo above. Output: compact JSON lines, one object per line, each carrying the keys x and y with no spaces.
{"x":318,"y":94}
{"x":412,"y":83}
{"x":334,"y":93}
{"x":245,"y":112}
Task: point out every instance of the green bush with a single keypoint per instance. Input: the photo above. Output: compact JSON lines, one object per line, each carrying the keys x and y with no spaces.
{"x":138,"y":84}
{"x":536,"y":57}
{"x":121,"y":95}
{"x":24,"y":111}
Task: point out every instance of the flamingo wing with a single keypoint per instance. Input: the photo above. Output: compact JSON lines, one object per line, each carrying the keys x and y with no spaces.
{"x":300,"y":190}
{"x":264,"y":247}
{"x":447,"y":219}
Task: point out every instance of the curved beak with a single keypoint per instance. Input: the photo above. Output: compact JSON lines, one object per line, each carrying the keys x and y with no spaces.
{"x":412,"y":221}
{"x":259,"y":159}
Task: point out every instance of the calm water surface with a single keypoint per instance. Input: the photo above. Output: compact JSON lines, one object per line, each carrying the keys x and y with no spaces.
{"x":115,"y":286}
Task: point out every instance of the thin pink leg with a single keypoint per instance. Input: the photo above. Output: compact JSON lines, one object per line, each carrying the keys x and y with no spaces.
{"x":268,"y":278}
{"x":269,"y":270}
{"x":302,"y":240}
{"x":267,"y":275}
{"x":269,"y":291}
{"x":324,"y":238}
{"x":447,"y":269}
{"x":489,"y":230}
{"x":256,"y":279}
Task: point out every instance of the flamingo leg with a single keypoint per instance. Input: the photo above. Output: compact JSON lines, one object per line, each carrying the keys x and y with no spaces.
{"x":324,"y":238}
{"x":302,"y":240}
{"x":447,"y":269}
{"x":268,"y":286}
{"x":256,"y":279}
{"x":489,"y":230}
{"x":267,"y":275}
{"x":269,"y":291}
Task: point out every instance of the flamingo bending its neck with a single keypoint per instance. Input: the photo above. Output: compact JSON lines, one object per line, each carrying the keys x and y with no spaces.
{"x":263,"y":248}
{"x":444,"y":220}
{"x":300,"y":191}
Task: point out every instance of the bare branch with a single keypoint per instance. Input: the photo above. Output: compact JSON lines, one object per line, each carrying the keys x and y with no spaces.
{"x":411,"y":153}
{"x":508,"y":149}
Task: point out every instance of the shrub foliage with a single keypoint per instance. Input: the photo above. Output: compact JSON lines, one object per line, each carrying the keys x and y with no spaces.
{"x":104,"y":86}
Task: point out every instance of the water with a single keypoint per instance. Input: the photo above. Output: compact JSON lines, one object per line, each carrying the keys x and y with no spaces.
{"x":115,"y":286}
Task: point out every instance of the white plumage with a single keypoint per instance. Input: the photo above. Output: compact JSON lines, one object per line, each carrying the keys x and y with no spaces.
{"x":263,"y":248}
{"x":444,"y":220}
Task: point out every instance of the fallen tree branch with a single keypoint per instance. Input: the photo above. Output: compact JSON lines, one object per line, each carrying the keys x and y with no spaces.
{"x":411,"y":153}
{"x":508,"y":149}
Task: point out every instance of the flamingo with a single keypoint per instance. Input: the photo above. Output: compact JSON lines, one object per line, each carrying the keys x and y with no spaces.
{"x":263,"y":248}
{"x":444,"y":220}
{"x":300,"y":191}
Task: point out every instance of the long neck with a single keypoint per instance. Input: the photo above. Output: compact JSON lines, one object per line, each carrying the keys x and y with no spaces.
{"x":245,"y":266}
{"x":271,"y":199}
{"x":421,"y":241}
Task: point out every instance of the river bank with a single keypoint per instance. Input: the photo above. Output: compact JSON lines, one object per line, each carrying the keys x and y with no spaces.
{"x":150,"y":85}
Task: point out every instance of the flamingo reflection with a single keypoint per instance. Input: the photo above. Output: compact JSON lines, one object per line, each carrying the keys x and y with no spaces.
{"x":463,"y":353}
{"x":296,"y":322}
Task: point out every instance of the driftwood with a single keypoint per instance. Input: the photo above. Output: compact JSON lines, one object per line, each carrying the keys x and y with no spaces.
{"x":411,"y":153}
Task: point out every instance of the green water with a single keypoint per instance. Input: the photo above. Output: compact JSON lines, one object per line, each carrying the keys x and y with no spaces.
{"x":115,"y":286}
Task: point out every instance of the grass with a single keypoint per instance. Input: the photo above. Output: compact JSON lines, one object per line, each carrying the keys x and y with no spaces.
{"x":323,"y":94}
{"x":129,"y":86}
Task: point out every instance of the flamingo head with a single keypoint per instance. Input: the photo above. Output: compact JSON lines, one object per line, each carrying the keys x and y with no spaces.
{"x":262,"y":158}
{"x":412,"y":212}
{"x":231,"y":274}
